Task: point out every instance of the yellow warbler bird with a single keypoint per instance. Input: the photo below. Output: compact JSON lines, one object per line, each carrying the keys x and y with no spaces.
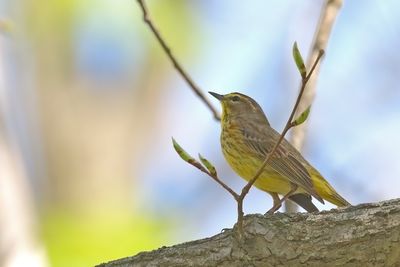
{"x":246,"y":140}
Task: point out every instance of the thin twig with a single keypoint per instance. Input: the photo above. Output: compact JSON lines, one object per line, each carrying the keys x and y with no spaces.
{"x":329,"y":12}
{"x":288,"y":125}
{"x":205,"y":166}
{"x":220,"y":182}
{"x":176,"y":64}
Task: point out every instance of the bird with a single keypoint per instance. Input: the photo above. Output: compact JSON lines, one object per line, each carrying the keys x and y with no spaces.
{"x":246,"y":139}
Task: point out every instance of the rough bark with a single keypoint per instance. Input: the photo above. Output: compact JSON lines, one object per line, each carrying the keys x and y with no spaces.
{"x":363,"y":235}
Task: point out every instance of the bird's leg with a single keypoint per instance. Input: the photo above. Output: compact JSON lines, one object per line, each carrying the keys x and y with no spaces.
{"x":276,"y":199}
{"x":278,"y":204}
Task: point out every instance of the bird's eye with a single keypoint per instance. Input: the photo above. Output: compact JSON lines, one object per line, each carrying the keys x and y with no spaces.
{"x":235,"y":98}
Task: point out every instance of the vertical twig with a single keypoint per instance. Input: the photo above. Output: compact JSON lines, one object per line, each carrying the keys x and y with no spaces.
{"x":289,"y":124}
{"x":329,"y":12}
{"x":321,"y":38}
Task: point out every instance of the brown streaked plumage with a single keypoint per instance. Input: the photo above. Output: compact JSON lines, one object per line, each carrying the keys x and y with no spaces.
{"x":247,"y":138}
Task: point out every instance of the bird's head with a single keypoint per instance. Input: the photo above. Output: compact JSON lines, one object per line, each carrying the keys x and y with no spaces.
{"x":235,"y":105}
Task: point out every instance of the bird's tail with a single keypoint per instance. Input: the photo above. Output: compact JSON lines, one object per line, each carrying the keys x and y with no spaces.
{"x":326,"y":191}
{"x":304,"y":201}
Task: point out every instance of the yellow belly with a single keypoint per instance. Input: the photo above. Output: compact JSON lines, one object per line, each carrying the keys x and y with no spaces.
{"x":272,"y":182}
{"x":269,"y":180}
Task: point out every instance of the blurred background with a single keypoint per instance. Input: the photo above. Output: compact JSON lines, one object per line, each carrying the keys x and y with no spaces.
{"x":89,"y":103}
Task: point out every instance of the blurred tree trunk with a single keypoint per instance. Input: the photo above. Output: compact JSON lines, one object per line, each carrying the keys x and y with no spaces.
{"x":329,"y":12}
{"x":363,"y":235}
{"x":87,"y":132}
{"x":18,"y":240}
{"x":95,"y":134}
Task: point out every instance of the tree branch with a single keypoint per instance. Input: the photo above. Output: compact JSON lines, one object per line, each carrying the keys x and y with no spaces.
{"x":367,"y":234}
{"x":329,"y":12}
{"x":328,"y":15}
{"x":175,"y":62}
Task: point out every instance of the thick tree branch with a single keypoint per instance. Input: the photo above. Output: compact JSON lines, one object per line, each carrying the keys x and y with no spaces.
{"x":363,"y":235}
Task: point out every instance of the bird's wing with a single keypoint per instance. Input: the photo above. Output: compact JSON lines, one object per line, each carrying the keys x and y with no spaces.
{"x":283,"y":161}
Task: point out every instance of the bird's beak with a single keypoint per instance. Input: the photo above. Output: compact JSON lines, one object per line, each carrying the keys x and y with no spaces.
{"x":217,"y":96}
